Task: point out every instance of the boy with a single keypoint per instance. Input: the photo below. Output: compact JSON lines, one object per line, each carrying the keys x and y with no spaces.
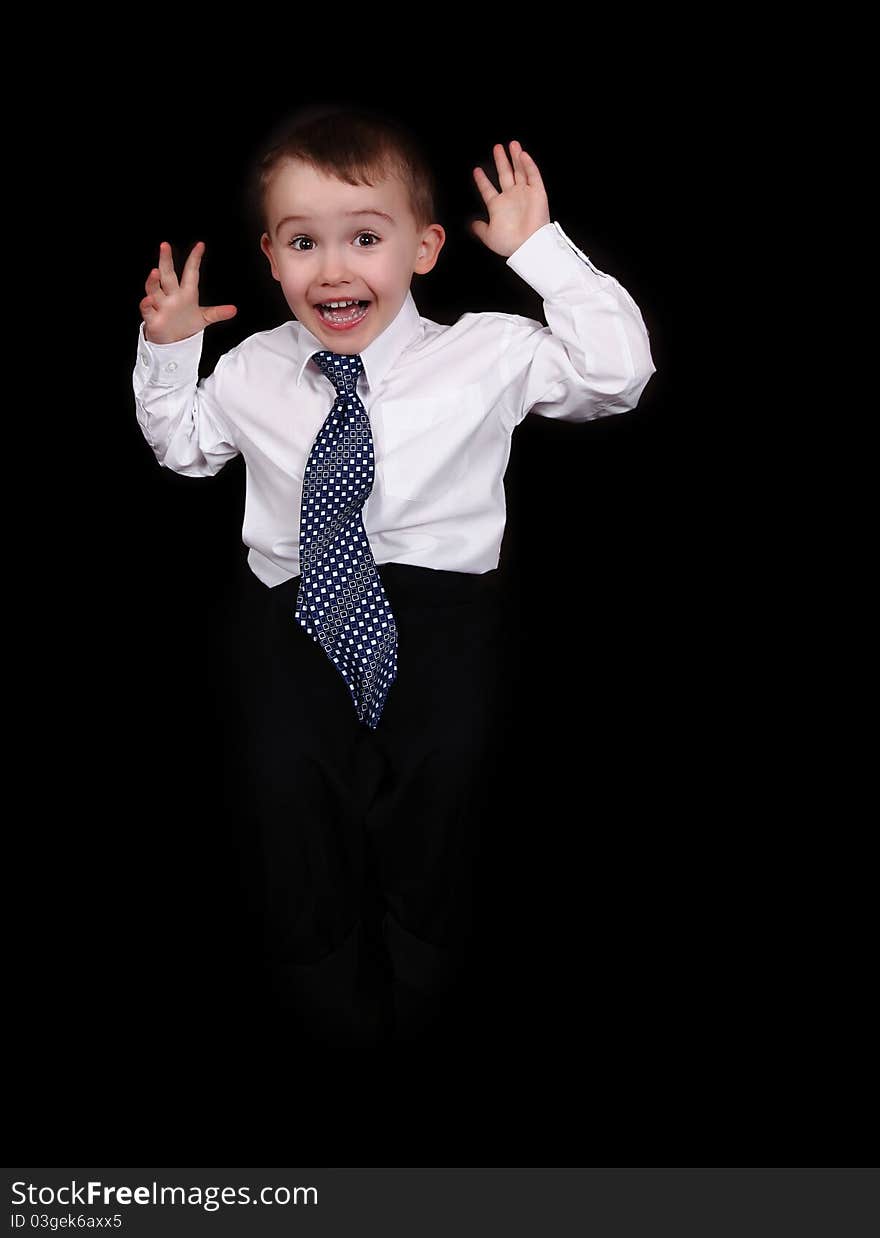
{"x":375,"y":443}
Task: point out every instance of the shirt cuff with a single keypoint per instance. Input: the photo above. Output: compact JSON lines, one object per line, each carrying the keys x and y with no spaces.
{"x":548,"y":260}
{"x":169,"y":365}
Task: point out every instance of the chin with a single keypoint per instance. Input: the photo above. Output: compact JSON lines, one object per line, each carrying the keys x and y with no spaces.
{"x":345,"y":341}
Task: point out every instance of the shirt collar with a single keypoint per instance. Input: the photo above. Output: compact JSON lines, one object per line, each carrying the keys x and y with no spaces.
{"x":379,"y":356}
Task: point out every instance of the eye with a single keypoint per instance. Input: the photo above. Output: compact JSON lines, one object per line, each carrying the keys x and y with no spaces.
{"x":292,"y":243}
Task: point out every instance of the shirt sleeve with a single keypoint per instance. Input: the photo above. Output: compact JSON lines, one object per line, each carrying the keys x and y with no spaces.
{"x":593,"y":359}
{"x":181,"y":417}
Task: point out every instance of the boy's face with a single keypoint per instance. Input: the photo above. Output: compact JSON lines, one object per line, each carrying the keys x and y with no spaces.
{"x":340,"y":250}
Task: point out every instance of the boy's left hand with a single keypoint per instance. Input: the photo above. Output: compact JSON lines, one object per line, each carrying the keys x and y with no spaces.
{"x":519,"y":209}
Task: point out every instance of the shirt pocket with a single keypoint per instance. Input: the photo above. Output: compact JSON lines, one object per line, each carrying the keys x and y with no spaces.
{"x":426,"y":443}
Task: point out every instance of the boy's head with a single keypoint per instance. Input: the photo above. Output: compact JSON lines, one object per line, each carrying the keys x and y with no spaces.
{"x":363,"y":198}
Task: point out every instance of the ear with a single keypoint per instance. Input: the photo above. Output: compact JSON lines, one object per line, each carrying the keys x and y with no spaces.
{"x":433,"y":240}
{"x":266,"y":247}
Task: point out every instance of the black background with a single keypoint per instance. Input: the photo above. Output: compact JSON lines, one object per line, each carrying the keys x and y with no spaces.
{"x":661,"y":979}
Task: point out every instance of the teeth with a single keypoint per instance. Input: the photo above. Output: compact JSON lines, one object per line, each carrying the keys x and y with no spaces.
{"x":337,"y":304}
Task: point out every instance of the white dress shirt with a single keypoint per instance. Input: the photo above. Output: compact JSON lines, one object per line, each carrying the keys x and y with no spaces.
{"x":443,"y":402}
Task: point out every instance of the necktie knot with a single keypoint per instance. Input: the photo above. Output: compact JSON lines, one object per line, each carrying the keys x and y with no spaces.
{"x":342,"y":369}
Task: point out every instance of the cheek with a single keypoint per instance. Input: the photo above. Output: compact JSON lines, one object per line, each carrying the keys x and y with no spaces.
{"x":292,"y":286}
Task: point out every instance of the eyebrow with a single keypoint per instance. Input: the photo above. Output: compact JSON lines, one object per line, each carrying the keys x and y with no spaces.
{"x":296,"y":218}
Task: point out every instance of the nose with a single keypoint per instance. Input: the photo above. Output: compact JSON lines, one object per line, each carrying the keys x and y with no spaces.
{"x":334,"y":268}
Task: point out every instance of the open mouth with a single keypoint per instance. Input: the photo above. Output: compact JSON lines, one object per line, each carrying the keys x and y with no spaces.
{"x":343,"y":316}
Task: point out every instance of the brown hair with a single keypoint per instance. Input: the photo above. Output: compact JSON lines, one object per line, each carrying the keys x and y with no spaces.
{"x":356,"y":145}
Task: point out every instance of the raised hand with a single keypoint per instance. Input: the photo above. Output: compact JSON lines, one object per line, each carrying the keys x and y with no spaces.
{"x":171,"y":310}
{"x":519,"y":209}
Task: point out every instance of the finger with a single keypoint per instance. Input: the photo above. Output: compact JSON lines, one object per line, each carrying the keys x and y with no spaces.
{"x":166,"y":268}
{"x":519,"y":171}
{"x":153,"y":286}
{"x":190,"y":276}
{"x":218,"y":313}
{"x":506,"y":178}
{"x":485,"y":186}
{"x":533,"y":176}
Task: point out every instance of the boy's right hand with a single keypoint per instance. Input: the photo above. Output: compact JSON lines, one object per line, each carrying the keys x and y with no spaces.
{"x":171,"y":310}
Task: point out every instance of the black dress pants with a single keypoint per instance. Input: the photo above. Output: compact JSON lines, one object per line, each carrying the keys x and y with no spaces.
{"x":333,"y":800}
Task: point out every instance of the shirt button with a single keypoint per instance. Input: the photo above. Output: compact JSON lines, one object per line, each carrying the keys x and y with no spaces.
{"x":172,"y":365}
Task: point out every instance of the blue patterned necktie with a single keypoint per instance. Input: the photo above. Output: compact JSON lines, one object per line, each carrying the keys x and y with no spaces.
{"x":341,"y":602}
